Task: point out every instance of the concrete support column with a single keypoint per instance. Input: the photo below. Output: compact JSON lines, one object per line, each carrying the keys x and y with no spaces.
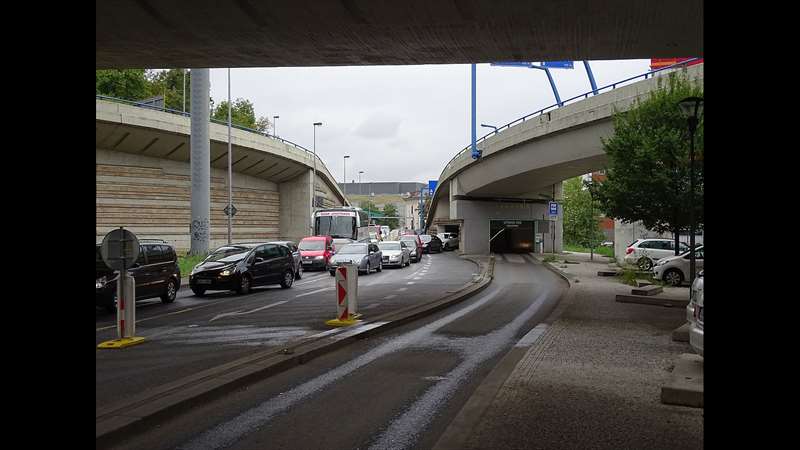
{"x":296,"y":207}
{"x":200,"y":163}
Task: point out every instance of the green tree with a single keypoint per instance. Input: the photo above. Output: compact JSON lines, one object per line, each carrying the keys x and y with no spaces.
{"x":648,"y":162}
{"x":368,"y":206}
{"x":390,"y":210}
{"x":581,"y":215}
{"x":169,"y":84}
{"x":130,"y":84}
{"x":242,"y":114}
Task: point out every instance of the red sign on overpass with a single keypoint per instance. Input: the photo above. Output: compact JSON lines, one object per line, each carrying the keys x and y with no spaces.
{"x":657,"y":63}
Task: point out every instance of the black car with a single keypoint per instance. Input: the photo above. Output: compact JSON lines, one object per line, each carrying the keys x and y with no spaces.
{"x":156,"y":273}
{"x":298,"y":261}
{"x":431,"y":243}
{"x":239,"y":267}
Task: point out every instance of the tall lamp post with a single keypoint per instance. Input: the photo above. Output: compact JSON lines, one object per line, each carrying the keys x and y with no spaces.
{"x":230,"y":169}
{"x":275,"y":125}
{"x":691,"y":108}
{"x":314,"y":180}
{"x":489,"y":126}
{"x":344,"y":175}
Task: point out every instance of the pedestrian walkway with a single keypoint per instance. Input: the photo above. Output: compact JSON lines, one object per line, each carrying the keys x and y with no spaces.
{"x":590,"y":378}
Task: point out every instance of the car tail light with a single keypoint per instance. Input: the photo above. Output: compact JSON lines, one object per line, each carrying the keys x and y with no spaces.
{"x":629,"y":250}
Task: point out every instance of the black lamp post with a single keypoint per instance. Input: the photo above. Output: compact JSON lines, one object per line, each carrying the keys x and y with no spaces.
{"x":691,"y":108}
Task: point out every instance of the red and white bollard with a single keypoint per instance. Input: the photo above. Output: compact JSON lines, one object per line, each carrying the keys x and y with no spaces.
{"x":126,"y":306}
{"x":346,"y":296}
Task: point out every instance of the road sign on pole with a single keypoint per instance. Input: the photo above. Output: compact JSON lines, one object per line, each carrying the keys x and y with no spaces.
{"x":119,"y":250}
{"x":553,"y":208}
{"x":230,"y":211}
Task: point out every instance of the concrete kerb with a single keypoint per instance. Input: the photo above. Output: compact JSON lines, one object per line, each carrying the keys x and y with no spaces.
{"x":135,"y":414}
{"x":458,"y":431}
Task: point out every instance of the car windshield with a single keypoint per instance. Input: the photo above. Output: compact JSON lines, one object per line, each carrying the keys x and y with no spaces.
{"x":425,"y":238}
{"x":336,"y":226}
{"x":389,"y":246}
{"x":412,"y":241}
{"x":354,"y":249}
{"x":316,"y":244}
{"x":227,"y":254}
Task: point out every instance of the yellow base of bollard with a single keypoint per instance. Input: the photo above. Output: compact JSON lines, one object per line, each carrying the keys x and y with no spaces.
{"x":341,"y":323}
{"x":121,"y":343}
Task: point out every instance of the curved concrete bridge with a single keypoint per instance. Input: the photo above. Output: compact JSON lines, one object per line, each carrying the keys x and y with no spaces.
{"x":523,"y":165}
{"x":143,"y":179}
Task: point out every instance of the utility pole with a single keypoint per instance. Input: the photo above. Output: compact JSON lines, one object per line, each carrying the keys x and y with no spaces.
{"x":200,"y":163}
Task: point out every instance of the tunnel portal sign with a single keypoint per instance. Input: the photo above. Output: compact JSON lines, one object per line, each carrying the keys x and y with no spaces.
{"x":553,"y":207}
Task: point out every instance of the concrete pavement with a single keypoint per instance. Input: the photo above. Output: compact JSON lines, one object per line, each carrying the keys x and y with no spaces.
{"x":590,"y":377}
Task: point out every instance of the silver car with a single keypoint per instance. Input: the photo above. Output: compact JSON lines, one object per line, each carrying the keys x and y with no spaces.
{"x":395,"y":253}
{"x":695,"y":307}
{"x":364,"y":255}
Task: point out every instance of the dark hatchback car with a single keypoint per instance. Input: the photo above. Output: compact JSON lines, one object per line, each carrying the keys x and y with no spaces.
{"x":430,"y":243}
{"x":156,"y":273}
{"x":239,"y":267}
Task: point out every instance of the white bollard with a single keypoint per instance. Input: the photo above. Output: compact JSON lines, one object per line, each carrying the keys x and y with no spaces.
{"x":126,"y":306}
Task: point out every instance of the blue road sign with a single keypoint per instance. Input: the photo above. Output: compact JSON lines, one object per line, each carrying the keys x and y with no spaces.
{"x":511,"y":64}
{"x":557,"y":64}
{"x":553,"y":207}
{"x":432,"y":185}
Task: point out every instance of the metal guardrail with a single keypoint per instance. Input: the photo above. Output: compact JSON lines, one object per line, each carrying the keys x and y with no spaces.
{"x":556,"y":106}
{"x":186,"y":114}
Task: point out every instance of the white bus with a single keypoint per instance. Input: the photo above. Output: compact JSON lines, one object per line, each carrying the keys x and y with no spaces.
{"x":344,"y":222}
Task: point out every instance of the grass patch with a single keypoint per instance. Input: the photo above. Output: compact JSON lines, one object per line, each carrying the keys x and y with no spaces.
{"x":187,"y":263}
{"x":629,"y":276}
{"x":549,"y":258}
{"x":604,"y":251}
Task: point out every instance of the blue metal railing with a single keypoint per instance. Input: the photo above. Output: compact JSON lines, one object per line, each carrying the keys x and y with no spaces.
{"x":186,"y":114}
{"x":556,"y":106}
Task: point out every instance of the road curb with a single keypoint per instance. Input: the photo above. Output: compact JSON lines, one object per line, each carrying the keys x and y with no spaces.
{"x":554,"y":269}
{"x":137,"y":413}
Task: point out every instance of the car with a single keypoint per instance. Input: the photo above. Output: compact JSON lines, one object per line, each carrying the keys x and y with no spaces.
{"x":430,"y":243}
{"x":338,"y":242}
{"x":414,"y":244}
{"x":645,"y":252}
{"x":449,"y":240}
{"x":316,"y":252}
{"x":694,"y":311}
{"x":366,"y":256}
{"x":607,"y":244}
{"x":156,"y":274}
{"x":240,"y":267}
{"x":385,"y":232}
{"x":673,"y":270}
{"x":298,"y":264}
{"x":395,"y":253}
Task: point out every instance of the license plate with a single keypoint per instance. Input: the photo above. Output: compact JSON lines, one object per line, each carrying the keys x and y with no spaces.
{"x":202,"y":281}
{"x":307,"y":262}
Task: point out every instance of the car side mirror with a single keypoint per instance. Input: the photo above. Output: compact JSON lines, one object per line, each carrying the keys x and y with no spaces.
{"x":258,"y":260}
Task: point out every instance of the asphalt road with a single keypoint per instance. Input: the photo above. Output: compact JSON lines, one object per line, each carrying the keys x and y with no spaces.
{"x":196,"y":333}
{"x":391,"y":391}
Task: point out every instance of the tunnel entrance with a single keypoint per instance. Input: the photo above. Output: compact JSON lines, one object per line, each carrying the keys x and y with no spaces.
{"x":511,"y":236}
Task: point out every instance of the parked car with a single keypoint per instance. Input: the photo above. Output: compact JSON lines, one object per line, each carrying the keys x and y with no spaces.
{"x":449,"y":240}
{"x":240,"y":267}
{"x":298,"y":264}
{"x":695,"y":312}
{"x":430,"y":243}
{"x":366,"y":256}
{"x":673,"y":270}
{"x":395,"y":253}
{"x":316,"y":251}
{"x":645,"y":252}
{"x":156,"y":274}
{"x":414,"y":244}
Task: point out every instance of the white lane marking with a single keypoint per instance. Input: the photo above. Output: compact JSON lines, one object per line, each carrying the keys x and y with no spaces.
{"x":411,"y":282}
{"x":402,"y":289}
{"x":389,"y":297}
{"x":316,"y":291}
{"x":371,"y":306}
{"x":416,"y":278}
{"x":531,"y":337}
{"x":229,"y":432}
{"x":314,"y":280}
{"x":242,"y":313}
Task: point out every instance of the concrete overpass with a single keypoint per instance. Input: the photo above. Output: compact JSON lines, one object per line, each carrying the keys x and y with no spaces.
{"x":143,"y":178}
{"x":524,"y":164}
{"x":247,"y":33}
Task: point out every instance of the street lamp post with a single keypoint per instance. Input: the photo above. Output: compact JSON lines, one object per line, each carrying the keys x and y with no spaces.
{"x":314,"y":179}
{"x":490,"y":126}
{"x":275,"y":125}
{"x":360,"y":191}
{"x":230,"y":169}
{"x":692,"y":108}
{"x":344,"y":175}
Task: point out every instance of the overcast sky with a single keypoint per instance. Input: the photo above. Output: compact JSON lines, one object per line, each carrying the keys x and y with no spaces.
{"x":401,"y":123}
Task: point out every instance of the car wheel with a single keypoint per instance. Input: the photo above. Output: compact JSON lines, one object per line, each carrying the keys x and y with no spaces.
{"x":673,"y":277}
{"x":333,"y":272}
{"x":244,"y":285}
{"x":288,"y":279}
{"x":299,"y":274}
{"x":170,"y":292}
{"x":112,"y":305}
{"x":198,"y":291}
{"x":380,"y":266}
{"x":645,"y":263}
{"x":369,"y":268}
